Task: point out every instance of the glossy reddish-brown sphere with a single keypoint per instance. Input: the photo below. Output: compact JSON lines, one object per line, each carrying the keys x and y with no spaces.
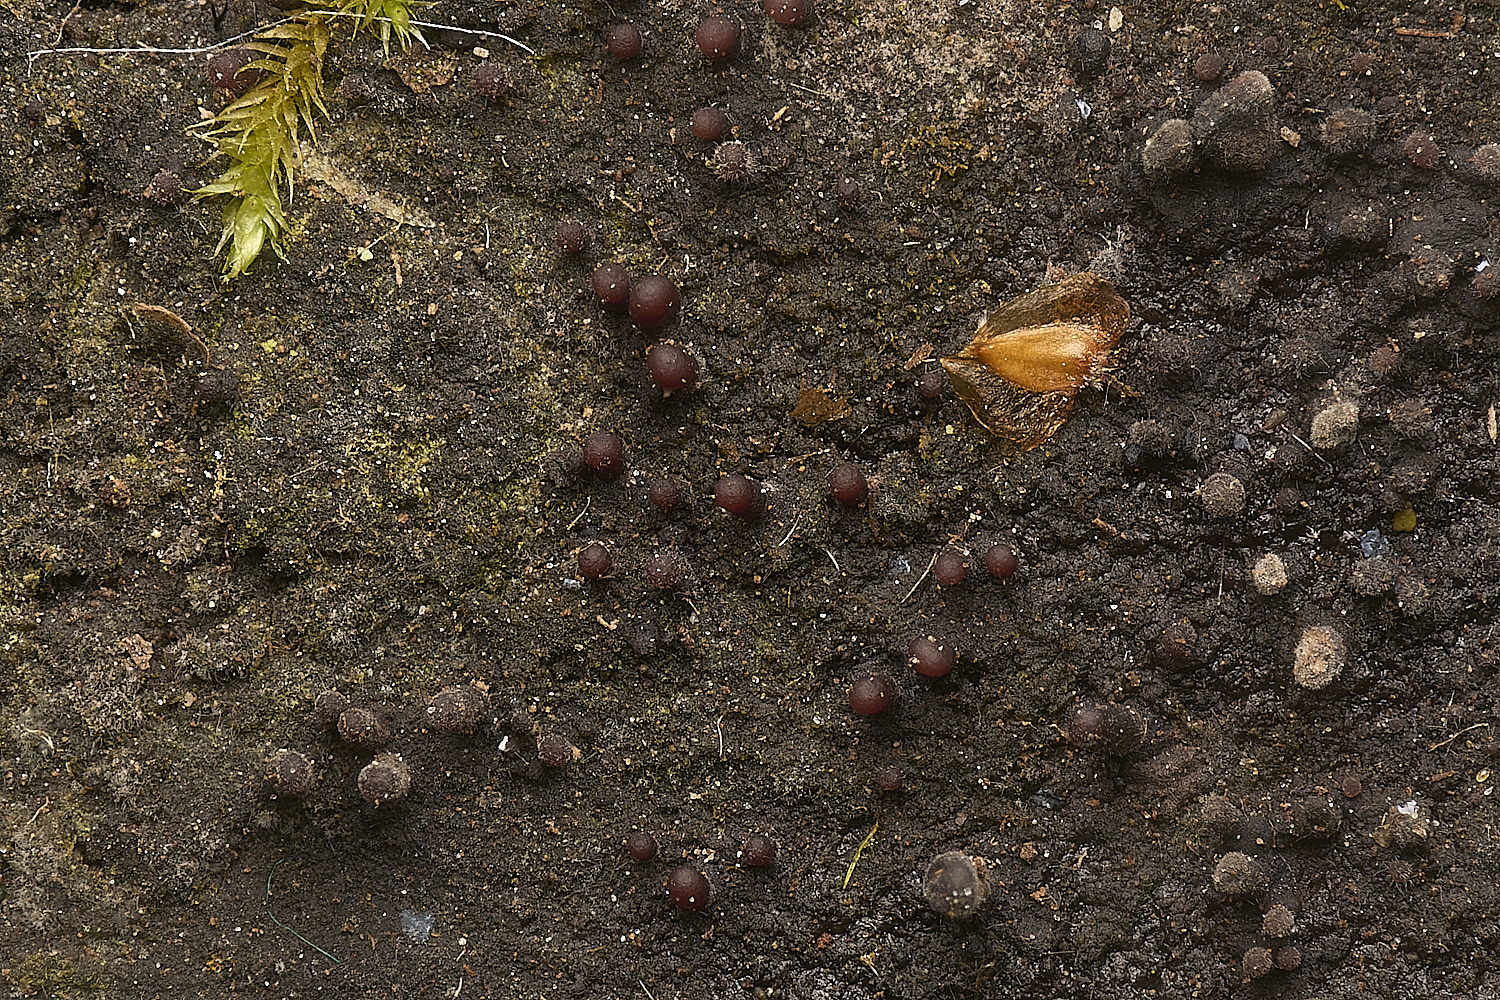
{"x":654,"y":302}
{"x":788,"y":12}
{"x":871,"y":694}
{"x":718,"y":37}
{"x":1000,"y":560}
{"x":671,"y":368}
{"x":709,"y":124}
{"x":624,"y":41}
{"x":848,"y":485}
{"x":931,"y":655}
{"x":738,"y":495}
{"x":612,"y":286}
{"x":640,"y":845}
{"x":950,"y":568}
{"x":759,"y":850}
{"x":689,"y":888}
{"x":604,"y":452}
{"x":593,"y":561}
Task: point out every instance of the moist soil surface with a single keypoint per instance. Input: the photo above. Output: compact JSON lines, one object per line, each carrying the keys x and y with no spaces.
{"x":1228,"y":729}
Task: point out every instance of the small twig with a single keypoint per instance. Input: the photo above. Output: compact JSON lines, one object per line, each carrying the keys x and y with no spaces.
{"x":476,"y":31}
{"x":720,"y":730}
{"x":176,"y":322}
{"x":1477,"y":725}
{"x":930,"y":563}
{"x":858,"y":851}
{"x":1310,"y":449}
{"x":837,"y":568}
{"x":788,"y":535}
{"x":586,"y":501}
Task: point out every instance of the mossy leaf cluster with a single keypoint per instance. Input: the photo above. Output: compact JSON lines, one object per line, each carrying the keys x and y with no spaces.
{"x":260,"y":131}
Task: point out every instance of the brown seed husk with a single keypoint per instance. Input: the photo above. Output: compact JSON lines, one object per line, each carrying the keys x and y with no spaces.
{"x":1021,"y":372}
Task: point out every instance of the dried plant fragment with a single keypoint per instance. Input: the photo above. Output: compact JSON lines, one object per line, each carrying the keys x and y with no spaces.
{"x":1030,"y":357}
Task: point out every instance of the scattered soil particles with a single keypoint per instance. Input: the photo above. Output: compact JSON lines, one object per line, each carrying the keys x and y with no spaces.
{"x":1228,"y":729}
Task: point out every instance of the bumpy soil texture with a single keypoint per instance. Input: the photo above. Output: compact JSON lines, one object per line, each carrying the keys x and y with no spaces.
{"x":1229,"y":729}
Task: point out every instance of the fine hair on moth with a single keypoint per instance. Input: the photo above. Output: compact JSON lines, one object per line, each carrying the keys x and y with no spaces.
{"x":1026,"y":363}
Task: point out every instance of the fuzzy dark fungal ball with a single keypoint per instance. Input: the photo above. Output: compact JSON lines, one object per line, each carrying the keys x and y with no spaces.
{"x":759,"y":850}
{"x":956,"y":885}
{"x":950,"y":568}
{"x":889,"y":780}
{"x":871,"y":694}
{"x":571,"y":237}
{"x":362,"y":727}
{"x":604,"y":452}
{"x":732,"y":161}
{"x":1091,"y":52}
{"x":931,"y":656}
{"x":216,"y":388}
{"x":709,"y":124}
{"x":611,"y":286}
{"x":457,"y":709}
{"x":1422,"y":150}
{"x":624,"y":41}
{"x":328,"y":706}
{"x":555,"y":750}
{"x":689,"y":888}
{"x":718,"y":37}
{"x":492,"y":81}
{"x":738,"y":495}
{"x":1208,"y":67}
{"x":1486,"y":162}
{"x":1000,"y":561}
{"x":848,"y":485}
{"x":593,"y":561}
{"x":290,"y":772}
{"x":1115,"y":729}
{"x":664,"y":570}
{"x":640,"y":845}
{"x":664,"y":494}
{"x":654,"y":302}
{"x":790,"y":13}
{"x":848,"y":193}
{"x":1237,"y":874}
{"x":671,"y":368}
{"x":385,"y":779}
{"x":930,"y":384}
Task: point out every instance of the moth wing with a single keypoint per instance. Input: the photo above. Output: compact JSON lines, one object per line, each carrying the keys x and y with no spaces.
{"x":1021,"y":418}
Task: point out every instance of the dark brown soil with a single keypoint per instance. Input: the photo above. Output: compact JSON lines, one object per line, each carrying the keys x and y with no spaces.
{"x":388,"y":495}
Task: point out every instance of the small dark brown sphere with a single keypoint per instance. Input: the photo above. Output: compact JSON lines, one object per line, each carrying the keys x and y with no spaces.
{"x":571,"y":237}
{"x":759,"y":850}
{"x":848,"y":193}
{"x":226,"y":70}
{"x":787,"y":12}
{"x":930,"y":384}
{"x":1000,"y":560}
{"x":328,"y":706}
{"x":671,"y":368}
{"x":890,"y":780}
{"x":457,"y":709}
{"x":1115,"y":729}
{"x":1178,"y":643}
{"x":950,"y":568}
{"x":738,"y":495}
{"x":290,"y":772}
{"x":956,"y":885}
{"x":593,"y":561}
{"x":664,"y":494}
{"x":216,"y":387}
{"x":604,"y":452}
{"x":640,"y":845}
{"x":732,"y":161}
{"x":664,"y":570}
{"x":385,"y":779}
{"x":1422,"y":150}
{"x":612,"y":286}
{"x":709,"y":124}
{"x":1487,"y":283}
{"x":848,"y":485}
{"x":624,"y":41}
{"x":556,"y":750}
{"x":492,"y":81}
{"x":362,"y":727}
{"x":931,"y":656}
{"x":718,"y":37}
{"x":654,"y":302}
{"x":1209,"y":67}
{"x":871,"y":694}
{"x":689,"y":888}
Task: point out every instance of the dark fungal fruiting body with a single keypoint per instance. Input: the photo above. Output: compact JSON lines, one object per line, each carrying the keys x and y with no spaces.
{"x":1422,"y":150}
{"x":654,"y":302}
{"x":328,"y":706}
{"x":457,"y":709}
{"x":848,"y":485}
{"x":593,"y":561}
{"x":570,"y":237}
{"x":759,"y":850}
{"x":664,"y":569}
{"x":611,"y":286}
{"x":709,"y":124}
{"x":664,"y":494}
{"x":689,"y":888}
{"x":226,"y":70}
{"x":555,"y":750}
{"x":931,"y":656}
{"x":718,"y":37}
{"x":385,"y":779}
{"x":956,"y":885}
{"x":604,"y":452}
{"x":290,"y":772}
{"x":624,"y":41}
{"x":1021,"y":372}
{"x":640,"y":845}
{"x":732,"y":161}
{"x":739,"y":496}
{"x":950,"y":568}
{"x":1000,"y":561}
{"x":362,"y":727}
{"x":671,"y":368}
{"x":788,"y":13}
{"x":890,"y":780}
{"x":1115,"y":729}
{"x":871,"y":694}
